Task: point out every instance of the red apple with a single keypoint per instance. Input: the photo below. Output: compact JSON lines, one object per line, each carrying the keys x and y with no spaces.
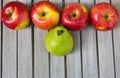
{"x":75,"y":16}
{"x":15,"y":15}
{"x":45,"y":15}
{"x":104,"y":16}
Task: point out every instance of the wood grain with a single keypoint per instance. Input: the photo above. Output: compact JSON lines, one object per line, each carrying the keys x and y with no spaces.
{"x":41,"y":61}
{"x":73,"y":60}
{"x":105,"y":50}
{"x":116,"y":38}
{"x":89,"y":49}
{"x":57,"y":63}
{"x":57,"y":67}
{"x":9,"y":51}
{"x":25,"y":49}
{"x":41,"y":57}
{"x":116,"y":50}
{"x":0,"y":40}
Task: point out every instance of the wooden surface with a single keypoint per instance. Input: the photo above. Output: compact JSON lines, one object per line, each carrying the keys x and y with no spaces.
{"x":96,"y":54}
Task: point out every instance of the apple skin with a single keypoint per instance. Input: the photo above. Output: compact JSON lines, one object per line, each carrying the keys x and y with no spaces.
{"x":104,"y":16}
{"x":15,"y":15}
{"x":75,"y":16}
{"x":45,"y":15}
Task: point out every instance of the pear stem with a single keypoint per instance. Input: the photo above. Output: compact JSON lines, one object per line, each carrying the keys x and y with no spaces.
{"x":59,"y":32}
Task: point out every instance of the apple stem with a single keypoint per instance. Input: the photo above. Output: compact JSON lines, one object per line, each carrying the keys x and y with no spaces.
{"x":9,"y":13}
{"x":74,"y":14}
{"x":105,"y":16}
{"x":43,"y":13}
{"x":59,"y":32}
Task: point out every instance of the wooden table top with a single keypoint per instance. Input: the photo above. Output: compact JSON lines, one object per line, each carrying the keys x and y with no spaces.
{"x":96,"y":54}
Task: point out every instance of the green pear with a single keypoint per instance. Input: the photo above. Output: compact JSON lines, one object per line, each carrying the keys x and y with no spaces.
{"x":59,"y":41}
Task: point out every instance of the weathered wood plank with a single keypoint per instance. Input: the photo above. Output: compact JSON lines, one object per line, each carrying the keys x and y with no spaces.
{"x":105,"y":50}
{"x":73,"y":60}
{"x":57,"y":69}
{"x":41,"y":60}
{"x":24,"y":54}
{"x":9,"y":51}
{"x":116,"y":50}
{"x":116,"y":36}
{"x":105,"y":55}
{"x":57,"y":63}
{"x":0,"y":38}
{"x":89,"y":51}
{"x":41,"y":56}
{"x":25,"y":49}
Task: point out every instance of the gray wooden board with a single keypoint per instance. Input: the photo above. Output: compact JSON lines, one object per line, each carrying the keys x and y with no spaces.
{"x":105,"y":50}
{"x":89,"y":51}
{"x":57,"y":67}
{"x":9,"y":51}
{"x":41,"y":61}
{"x":25,"y":49}
{"x":73,"y":60}
{"x":41,"y":56}
{"x":57,"y":63}
{"x":24,"y":54}
{"x":0,"y":39}
{"x":116,"y":36}
{"x":117,"y":49}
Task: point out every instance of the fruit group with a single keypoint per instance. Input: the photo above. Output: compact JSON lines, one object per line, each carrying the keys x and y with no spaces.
{"x":45,"y":15}
{"x":59,"y":41}
{"x":104,"y":16}
{"x":15,"y":15}
{"x":74,"y":16}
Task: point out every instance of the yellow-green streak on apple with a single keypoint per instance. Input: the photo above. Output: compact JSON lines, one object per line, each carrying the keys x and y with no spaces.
{"x":84,"y":8}
{"x":24,"y":22}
